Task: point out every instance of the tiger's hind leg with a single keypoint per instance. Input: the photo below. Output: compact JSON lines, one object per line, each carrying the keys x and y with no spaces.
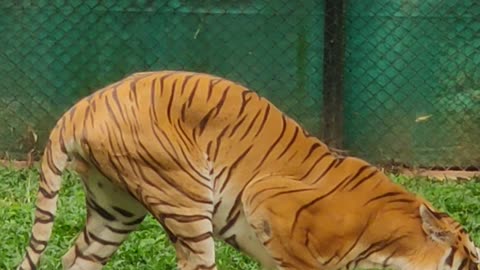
{"x":111,"y":215}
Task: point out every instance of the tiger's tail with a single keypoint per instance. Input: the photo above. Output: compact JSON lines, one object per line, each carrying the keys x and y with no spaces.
{"x":53,"y":163}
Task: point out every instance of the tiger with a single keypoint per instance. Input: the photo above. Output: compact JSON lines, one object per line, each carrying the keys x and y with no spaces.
{"x":211,"y":160}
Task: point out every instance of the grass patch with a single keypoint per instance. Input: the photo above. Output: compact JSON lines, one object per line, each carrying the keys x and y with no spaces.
{"x":148,"y":247}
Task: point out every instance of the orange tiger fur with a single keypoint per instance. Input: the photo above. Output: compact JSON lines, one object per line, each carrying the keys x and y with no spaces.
{"x":210,"y":159}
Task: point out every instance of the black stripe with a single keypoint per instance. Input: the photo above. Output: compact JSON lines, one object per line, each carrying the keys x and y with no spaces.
{"x":189,"y":247}
{"x":312,"y":202}
{"x":265,"y":116}
{"x":170,"y":101}
{"x":135,"y":222}
{"x":47,"y":194}
{"x":192,"y":94}
{"x":312,"y":148}
{"x":185,"y":81}
{"x":229,"y":224}
{"x":112,"y":114}
{"x":118,"y":103}
{"x":270,"y":149}
{"x":30,"y":262}
{"x":34,"y":241}
{"x":133,"y":90}
{"x":354,"y":244}
{"x":289,"y":143}
{"x":86,"y":238}
{"x":179,"y":127}
{"x":123,"y":212}
{"x":101,"y":211}
{"x":359,"y":182}
{"x":385,"y":263}
{"x":221,"y":102}
{"x":232,"y":241}
{"x":50,"y":162}
{"x":340,"y":160}
{"x":196,"y":239}
{"x":176,"y":159}
{"x":72,"y":112}
{"x":463,"y":264}
{"x":314,"y":165}
{"x":376,"y":247}
{"x":279,"y":194}
{"x":233,"y":166}
{"x":156,"y":166}
{"x":238,"y":199}
{"x":153,"y":103}
{"x":325,"y":171}
{"x":85,"y":117}
{"x":210,"y":87}
{"x":205,"y":267}
{"x":50,"y":216}
{"x":387,"y":194}
{"x":119,"y":231}
{"x":215,"y":208}
{"x":247,"y":130}
{"x":203,"y":123}
{"x":103,"y":241}
{"x":182,"y":113}
{"x":94,"y":105}
{"x":155,"y":201}
{"x":359,"y":171}
{"x":234,"y":129}
{"x":449,"y":259}
{"x":61,"y":141}
{"x":186,"y":218}
{"x":401,"y":201}
{"x":245,"y":101}
{"x":219,"y":141}
{"x":115,"y":147}
{"x":259,"y":192}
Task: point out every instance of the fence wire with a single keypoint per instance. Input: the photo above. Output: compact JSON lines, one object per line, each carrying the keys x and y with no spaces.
{"x":54,"y":52}
{"x":402,"y":86}
{"x":412,"y":82}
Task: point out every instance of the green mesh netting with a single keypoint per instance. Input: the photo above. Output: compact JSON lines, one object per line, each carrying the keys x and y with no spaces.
{"x":54,"y":52}
{"x":412,"y":79}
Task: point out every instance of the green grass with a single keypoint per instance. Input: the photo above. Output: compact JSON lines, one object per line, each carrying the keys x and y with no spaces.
{"x":148,"y":247}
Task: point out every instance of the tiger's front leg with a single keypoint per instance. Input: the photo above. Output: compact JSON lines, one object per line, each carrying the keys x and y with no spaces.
{"x":192,"y":236}
{"x":189,"y":227}
{"x":195,"y":251}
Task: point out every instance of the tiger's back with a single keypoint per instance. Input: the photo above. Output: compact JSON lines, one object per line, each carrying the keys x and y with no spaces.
{"x":182,"y":146}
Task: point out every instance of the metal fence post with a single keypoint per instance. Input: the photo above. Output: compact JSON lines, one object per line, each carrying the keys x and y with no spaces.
{"x":334,"y":49}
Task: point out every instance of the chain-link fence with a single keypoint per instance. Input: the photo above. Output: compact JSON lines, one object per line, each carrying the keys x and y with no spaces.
{"x":412,"y":81}
{"x":54,"y":52}
{"x":385,"y":80}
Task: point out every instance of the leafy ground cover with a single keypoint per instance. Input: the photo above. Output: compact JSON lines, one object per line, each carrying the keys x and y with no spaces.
{"x":148,"y":247}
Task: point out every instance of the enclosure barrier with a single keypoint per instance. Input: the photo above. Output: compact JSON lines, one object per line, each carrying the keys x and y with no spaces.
{"x":393,"y":82}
